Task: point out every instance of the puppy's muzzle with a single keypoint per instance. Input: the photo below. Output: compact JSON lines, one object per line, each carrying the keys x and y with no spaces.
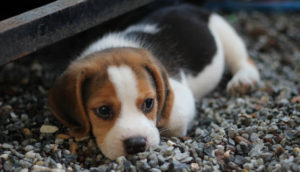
{"x":135,"y":145}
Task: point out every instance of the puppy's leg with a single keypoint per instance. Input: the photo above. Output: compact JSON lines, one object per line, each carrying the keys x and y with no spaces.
{"x":183,"y":110}
{"x":207,"y":80}
{"x":245,"y":73}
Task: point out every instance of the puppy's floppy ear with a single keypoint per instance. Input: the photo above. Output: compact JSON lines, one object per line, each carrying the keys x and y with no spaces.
{"x":65,"y":100}
{"x":165,"y":96}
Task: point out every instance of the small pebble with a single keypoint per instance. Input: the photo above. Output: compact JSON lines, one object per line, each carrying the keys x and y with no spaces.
{"x":59,"y":141}
{"x":4,"y":156}
{"x":49,"y":129}
{"x":63,"y":136}
{"x":8,"y":166}
{"x":30,"y":155}
{"x":143,"y":155}
{"x":170,"y":143}
{"x":6,"y":108}
{"x":7,"y":146}
{"x":26,"y":132}
{"x":240,"y":139}
{"x":73,"y":148}
{"x":28,"y":148}
{"x":164,"y":167}
{"x":296,"y":149}
{"x":155,"y":170}
{"x":24,"y":170}
{"x":279,"y":150}
{"x":227,"y":154}
{"x":195,"y":166}
{"x":296,"y":99}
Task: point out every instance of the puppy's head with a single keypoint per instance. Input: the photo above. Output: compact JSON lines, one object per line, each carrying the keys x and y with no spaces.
{"x":120,"y":94}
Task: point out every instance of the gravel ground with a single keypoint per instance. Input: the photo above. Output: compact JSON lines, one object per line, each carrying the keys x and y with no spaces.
{"x":255,"y":132}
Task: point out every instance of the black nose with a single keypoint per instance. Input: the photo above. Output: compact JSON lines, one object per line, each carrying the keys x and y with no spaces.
{"x":135,"y":144}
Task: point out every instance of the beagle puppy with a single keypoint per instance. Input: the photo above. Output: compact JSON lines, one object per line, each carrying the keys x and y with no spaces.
{"x":130,"y":85}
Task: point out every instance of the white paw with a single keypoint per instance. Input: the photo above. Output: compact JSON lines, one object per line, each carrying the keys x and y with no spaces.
{"x":244,"y":80}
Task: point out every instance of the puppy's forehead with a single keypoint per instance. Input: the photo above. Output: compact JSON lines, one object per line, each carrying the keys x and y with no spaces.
{"x":124,"y":81}
{"x":119,"y":67}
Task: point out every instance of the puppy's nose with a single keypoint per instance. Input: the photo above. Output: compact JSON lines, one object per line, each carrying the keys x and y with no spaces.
{"x":135,"y":144}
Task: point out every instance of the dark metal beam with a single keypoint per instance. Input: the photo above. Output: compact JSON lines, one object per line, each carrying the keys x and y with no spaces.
{"x":37,"y":28}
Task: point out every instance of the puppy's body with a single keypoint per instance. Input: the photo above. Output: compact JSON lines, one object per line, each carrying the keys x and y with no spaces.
{"x":125,"y":73}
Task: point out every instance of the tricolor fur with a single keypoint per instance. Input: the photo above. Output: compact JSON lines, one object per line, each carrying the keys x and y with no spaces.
{"x":130,"y":85}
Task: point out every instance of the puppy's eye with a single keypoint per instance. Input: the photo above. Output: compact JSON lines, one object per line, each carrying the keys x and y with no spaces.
{"x":147,"y":106}
{"x":104,"y":112}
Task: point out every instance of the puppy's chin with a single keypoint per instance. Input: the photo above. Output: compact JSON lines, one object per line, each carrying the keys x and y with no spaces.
{"x":113,"y":147}
{"x":112,"y":150}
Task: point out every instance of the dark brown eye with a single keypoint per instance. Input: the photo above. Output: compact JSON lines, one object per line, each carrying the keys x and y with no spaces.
{"x":147,"y":106}
{"x":104,"y":112}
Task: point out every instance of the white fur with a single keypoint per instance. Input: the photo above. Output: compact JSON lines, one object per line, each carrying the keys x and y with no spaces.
{"x":210,"y":76}
{"x":183,"y":110}
{"x":131,"y":121}
{"x":119,"y":39}
{"x":112,"y":40}
{"x":235,"y":53}
{"x":146,"y":28}
{"x":234,"y":48}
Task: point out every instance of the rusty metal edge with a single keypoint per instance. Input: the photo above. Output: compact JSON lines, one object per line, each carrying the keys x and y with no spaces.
{"x":32,"y":30}
{"x":36,"y":14}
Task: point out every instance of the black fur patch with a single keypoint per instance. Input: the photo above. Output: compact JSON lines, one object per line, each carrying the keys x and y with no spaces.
{"x":184,"y":40}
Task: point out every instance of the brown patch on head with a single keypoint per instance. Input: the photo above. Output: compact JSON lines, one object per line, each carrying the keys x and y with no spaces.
{"x":146,"y":91}
{"x":104,"y":94}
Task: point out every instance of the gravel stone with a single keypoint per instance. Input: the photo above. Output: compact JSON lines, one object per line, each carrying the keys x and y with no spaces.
{"x":240,"y":160}
{"x":24,"y":170}
{"x":30,"y":155}
{"x":4,"y":156}
{"x":142,"y":165}
{"x":7,"y":146}
{"x":17,"y":154}
{"x":153,"y":163}
{"x":155,"y":170}
{"x":29,"y":148}
{"x":177,"y":167}
{"x":8,"y":166}
{"x":25,"y":164}
{"x":143,"y":155}
{"x":102,"y":168}
{"x":164,"y":167}
{"x":49,"y":129}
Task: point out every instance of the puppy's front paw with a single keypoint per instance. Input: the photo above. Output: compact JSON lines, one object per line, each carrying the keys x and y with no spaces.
{"x":243,"y":81}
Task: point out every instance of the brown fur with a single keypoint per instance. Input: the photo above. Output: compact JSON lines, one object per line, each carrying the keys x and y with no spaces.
{"x":104,"y":95}
{"x":65,"y":101}
{"x":146,"y":91}
{"x":166,"y":112}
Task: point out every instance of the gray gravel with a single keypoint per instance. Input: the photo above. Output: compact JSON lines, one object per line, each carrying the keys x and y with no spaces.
{"x":255,"y":132}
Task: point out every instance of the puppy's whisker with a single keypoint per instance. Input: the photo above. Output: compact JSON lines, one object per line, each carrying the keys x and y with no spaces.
{"x":163,"y":130}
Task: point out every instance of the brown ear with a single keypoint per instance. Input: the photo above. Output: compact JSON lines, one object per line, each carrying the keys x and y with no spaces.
{"x":165,"y":96}
{"x":66,"y":103}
